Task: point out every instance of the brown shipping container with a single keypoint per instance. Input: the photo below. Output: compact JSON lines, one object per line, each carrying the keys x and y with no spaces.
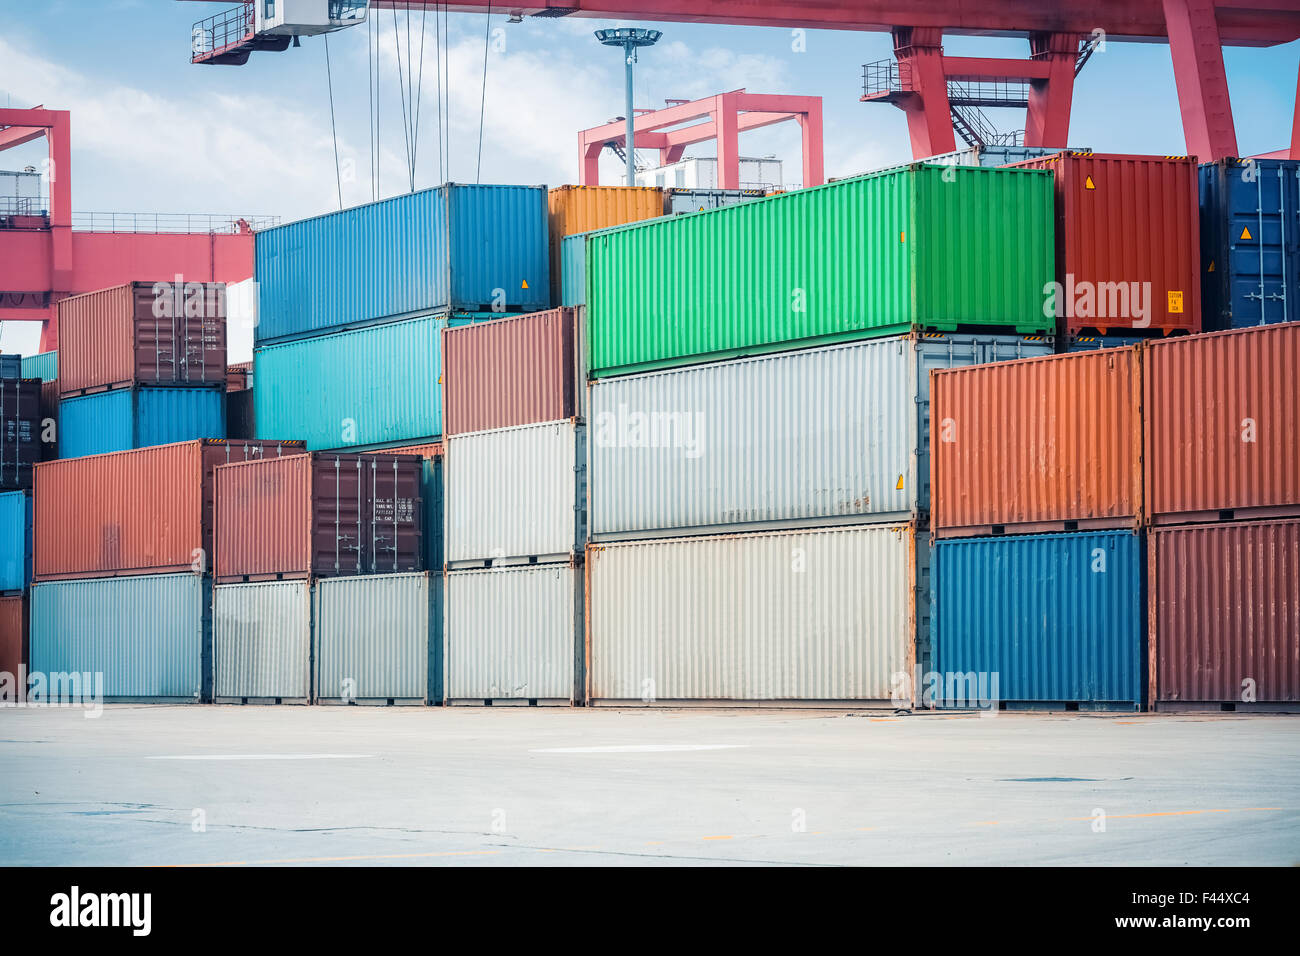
{"x":13,"y":636}
{"x":238,"y":376}
{"x":1225,"y":613}
{"x":575,"y":209}
{"x":1126,"y":219}
{"x":508,"y":372}
{"x":1223,"y":425}
{"x":145,"y":511}
{"x":1037,"y":445}
{"x":113,"y":338}
{"x":321,"y":514}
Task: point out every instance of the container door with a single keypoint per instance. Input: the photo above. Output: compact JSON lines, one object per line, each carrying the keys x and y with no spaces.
{"x":1258,"y":195}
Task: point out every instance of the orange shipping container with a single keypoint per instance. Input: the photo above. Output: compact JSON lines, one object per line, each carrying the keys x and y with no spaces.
{"x":575,"y":209}
{"x":1037,"y":445}
{"x":145,"y":511}
{"x":1223,"y":425}
{"x":13,"y":638}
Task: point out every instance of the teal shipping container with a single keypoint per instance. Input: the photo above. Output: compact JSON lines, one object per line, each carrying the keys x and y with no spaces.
{"x":15,"y":541}
{"x":452,"y":248}
{"x":134,"y":638}
{"x":573,"y":270}
{"x":129,"y":418}
{"x":11,"y":365}
{"x":1038,"y":619}
{"x":356,"y":390}
{"x":44,"y":366}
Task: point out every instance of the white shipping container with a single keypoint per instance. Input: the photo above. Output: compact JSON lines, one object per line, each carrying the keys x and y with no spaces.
{"x":828,"y":436}
{"x":372,"y":638}
{"x":514,"y":634}
{"x":261,"y":641}
{"x":515,"y":493}
{"x":810,"y":616}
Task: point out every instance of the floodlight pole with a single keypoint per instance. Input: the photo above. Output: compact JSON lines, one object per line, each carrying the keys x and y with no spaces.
{"x":629,"y":38}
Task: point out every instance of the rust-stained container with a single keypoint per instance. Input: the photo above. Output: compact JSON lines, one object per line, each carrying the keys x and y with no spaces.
{"x":1127,"y":241}
{"x":239,"y":376}
{"x":575,"y":209}
{"x":143,"y":333}
{"x":1223,"y":425}
{"x":1224,"y":614}
{"x":509,"y":372}
{"x":145,"y":511}
{"x":1037,"y":445}
{"x":319,"y":515}
{"x":13,"y":642}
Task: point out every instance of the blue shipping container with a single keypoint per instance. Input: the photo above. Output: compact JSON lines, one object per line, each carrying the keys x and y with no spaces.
{"x":148,"y":636}
{"x":15,"y":541}
{"x":11,"y":365}
{"x":129,"y":418}
{"x":1055,"y":618}
{"x":573,"y":270}
{"x":1090,"y":343}
{"x":452,"y":248}
{"x":44,"y":366}
{"x":1250,"y":242}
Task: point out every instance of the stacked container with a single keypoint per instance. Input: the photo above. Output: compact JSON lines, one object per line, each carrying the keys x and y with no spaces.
{"x":578,"y":209}
{"x":515,"y":511}
{"x":22,"y":431}
{"x":122,"y":566}
{"x":284,"y":525}
{"x":352,"y":306}
{"x":45,"y":366}
{"x":141,"y":364}
{"x":15,"y":576}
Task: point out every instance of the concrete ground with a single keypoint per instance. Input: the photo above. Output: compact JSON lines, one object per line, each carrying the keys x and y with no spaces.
{"x":507,"y":786}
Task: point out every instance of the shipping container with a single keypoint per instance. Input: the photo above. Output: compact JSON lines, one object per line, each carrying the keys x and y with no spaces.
{"x":241,"y":418}
{"x":516,"y":371}
{"x":319,"y":514}
{"x":453,"y":247}
{"x":1040,"y":619}
{"x":1225,"y":615}
{"x":573,"y":270}
{"x":13,"y":648}
{"x":143,"y":333}
{"x":1250,"y":242}
{"x":262,"y":642}
{"x":15,"y":541}
{"x":516,"y":495}
{"x":1090,"y":343}
{"x":575,"y":209}
{"x":20,"y":431}
{"x":49,"y":420}
{"x":239,"y":376}
{"x":834,"y":435}
{"x":679,"y":202}
{"x":874,"y":255}
{"x":1127,"y":242}
{"x":43,"y":365}
{"x":1223,"y":425}
{"x":11,"y":365}
{"x":814,"y":616}
{"x":996,"y":155}
{"x":514,"y":634}
{"x":372,"y":638}
{"x":364,"y":388}
{"x":127,"y":418}
{"x":431,"y":498}
{"x":130,"y":638}
{"x":1037,"y":445}
{"x":148,"y":511}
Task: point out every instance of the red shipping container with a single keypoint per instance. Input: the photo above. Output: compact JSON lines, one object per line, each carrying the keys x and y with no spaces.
{"x":13,"y":643}
{"x":239,"y":376}
{"x":321,"y":514}
{"x":517,"y":371}
{"x":145,"y":511}
{"x":143,"y":333}
{"x":1223,"y":425}
{"x":1127,"y":234}
{"x":1037,"y":445}
{"x":1225,"y":613}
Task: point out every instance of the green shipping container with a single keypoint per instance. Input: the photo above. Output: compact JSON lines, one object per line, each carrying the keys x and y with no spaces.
{"x":916,"y":248}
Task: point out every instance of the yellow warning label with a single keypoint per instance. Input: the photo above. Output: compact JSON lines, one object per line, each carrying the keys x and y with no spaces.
{"x":902,"y":237}
{"x":1175,"y":303}
{"x":1089,"y":184}
{"x":1211,"y":269}
{"x":899,"y":486}
{"x":525,"y":283}
{"x":1245,"y":233}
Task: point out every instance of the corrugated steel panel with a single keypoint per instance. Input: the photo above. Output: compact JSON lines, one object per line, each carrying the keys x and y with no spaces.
{"x":573,"y":270}
{"x":697,"y":448}
{"x":575,"y":209}
{"x":1250,"y":242}
{"x":1126,"y":219}
{"x":793,"y":615}
{"x":1225,"y":613}
{"x":263,"y":518}
{"x":20,"y":432}
{"x":146,"y":635}
{"x":13,"y":639}
{"x":882,"y":253}
{"x":11,"y":365}
{"x":1223,"y":423}
{"x":513,"y":633}
{"x":515,"y":371}
{"x":1042,"y":443}
{"x":372,"y":637}
{"x":448,"y":248}
{"x":262,"y":641}
{"x":144,"y":333}
{"x":129,"y":418}
{"x":43,"y":365}
{"x":516,"y":492}
{"x":15,"y":540}
{"x":143,"y":511}
{"x":1053,"y":618}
